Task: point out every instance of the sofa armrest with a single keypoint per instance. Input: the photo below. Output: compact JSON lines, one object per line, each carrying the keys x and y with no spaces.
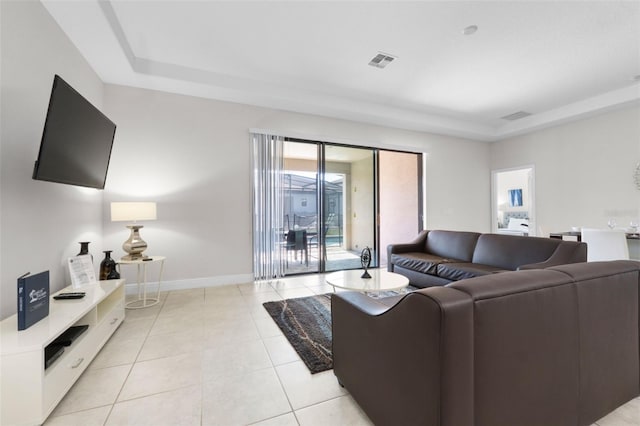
{"x":417,"y":245}
{"x":418,"y":350}
{"x":566,"y":252}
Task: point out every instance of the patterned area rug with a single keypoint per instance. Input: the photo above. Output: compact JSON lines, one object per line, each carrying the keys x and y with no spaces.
{"x":306,"y":322}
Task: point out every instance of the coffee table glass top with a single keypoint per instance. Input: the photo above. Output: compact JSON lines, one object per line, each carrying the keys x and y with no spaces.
{"x":381,"y":280}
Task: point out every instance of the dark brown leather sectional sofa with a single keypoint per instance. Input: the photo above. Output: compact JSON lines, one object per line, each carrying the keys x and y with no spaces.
{"x":557,"y":346}
{"x":440,"y":257}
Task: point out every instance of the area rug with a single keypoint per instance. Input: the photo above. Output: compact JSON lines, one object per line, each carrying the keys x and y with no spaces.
{"x":306,"y":323}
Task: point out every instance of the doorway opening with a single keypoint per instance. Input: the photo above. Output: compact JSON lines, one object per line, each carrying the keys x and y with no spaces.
{"x":513,"y":201}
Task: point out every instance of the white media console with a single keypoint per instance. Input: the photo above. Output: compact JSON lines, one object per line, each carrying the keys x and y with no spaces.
{"x":28,"y":391}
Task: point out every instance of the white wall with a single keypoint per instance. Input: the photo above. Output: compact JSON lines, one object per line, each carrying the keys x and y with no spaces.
{"x":399,"y":220}
{"x":191,"y":155}
{"x":584,"y":170}
{"x":41,"y":223}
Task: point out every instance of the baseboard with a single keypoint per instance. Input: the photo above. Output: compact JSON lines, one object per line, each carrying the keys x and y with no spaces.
{"x":152,"y":287}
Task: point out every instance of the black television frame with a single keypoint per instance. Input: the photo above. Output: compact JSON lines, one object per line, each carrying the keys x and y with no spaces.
{"x":53,"y":145}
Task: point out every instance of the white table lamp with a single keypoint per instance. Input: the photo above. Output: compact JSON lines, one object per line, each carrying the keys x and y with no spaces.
{"x":133,"y":212}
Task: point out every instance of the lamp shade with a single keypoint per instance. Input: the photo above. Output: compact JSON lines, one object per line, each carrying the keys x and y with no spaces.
{"x":133,"y":211}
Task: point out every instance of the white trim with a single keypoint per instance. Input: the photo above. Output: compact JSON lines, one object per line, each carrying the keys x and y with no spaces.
{"x":217,"y":281}
{"x":425,"y":193}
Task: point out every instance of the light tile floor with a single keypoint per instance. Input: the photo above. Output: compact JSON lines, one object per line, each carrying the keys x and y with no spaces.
{"x":213,"y":356}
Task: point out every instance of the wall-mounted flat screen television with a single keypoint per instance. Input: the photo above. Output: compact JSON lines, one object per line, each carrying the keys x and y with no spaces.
{"x":76,"y":142}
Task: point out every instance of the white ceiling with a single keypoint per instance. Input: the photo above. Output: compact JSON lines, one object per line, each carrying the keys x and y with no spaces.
{"x":557,"y":60}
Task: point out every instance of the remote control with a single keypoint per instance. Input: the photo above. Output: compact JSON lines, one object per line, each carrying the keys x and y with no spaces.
{"x":78,"y":295}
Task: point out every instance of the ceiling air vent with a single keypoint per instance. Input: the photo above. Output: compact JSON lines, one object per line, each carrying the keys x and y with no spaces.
{"x":381,"y":60}
{"x":516,"y":115}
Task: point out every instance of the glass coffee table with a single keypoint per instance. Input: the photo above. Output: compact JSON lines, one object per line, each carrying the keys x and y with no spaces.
{"x":381,"y":280}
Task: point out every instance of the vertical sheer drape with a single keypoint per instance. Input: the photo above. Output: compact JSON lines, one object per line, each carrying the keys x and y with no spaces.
{"x":268,"y":206}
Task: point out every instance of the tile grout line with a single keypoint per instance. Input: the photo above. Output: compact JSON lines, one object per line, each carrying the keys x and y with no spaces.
{"x":155,"y":318}
{"x":277,"y":375}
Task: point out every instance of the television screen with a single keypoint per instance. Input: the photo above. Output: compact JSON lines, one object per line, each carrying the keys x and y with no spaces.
{"x":76,"y":141}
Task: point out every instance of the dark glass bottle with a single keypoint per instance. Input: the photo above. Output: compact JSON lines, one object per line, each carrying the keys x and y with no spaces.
{"x":84,"y":249}
{"x":108,"y":267}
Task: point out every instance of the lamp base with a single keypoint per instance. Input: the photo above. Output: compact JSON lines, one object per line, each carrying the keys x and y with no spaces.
{"x":135,"y":245}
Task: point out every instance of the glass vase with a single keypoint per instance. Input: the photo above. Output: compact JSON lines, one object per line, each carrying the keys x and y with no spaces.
{"x":108,"y":267}
{"x":84,"y":249}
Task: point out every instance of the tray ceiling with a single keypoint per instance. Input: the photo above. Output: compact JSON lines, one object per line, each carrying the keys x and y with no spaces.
{"x":558,"y":61}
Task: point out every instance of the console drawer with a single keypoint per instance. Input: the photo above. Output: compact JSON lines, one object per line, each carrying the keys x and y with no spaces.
{"x":109,"y":325}
{"x":61,"y":375}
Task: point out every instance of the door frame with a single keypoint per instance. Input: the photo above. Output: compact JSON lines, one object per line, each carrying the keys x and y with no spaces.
{"x":533,"y":223}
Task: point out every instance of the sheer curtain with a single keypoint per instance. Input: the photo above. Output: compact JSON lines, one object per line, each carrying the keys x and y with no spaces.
{"x":268,"y":206}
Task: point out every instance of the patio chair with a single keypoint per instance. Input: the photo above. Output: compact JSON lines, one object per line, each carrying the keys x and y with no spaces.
{"x":315,"y":242}
{"x":297,"y":241}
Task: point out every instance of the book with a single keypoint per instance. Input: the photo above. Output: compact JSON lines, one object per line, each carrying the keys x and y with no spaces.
{"x":81,"y":271}
{"x":33,"y":299}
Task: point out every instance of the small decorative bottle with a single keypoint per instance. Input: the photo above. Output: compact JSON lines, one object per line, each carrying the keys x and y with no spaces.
{"x":108,"y":267}
{"x":84,"y":249}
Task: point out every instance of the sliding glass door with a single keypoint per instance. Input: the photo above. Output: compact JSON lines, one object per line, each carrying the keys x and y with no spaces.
{"x":338,"y":200}
{"x":301,"y":207}
{"x":329,"y":206}
{"x":349,"y":206}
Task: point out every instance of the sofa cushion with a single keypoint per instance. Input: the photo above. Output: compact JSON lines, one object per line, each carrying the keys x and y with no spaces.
{"x":511,"y":251}
{"x":452,"y":244}
{"x":420,"y":280}
{"x":526,"y":348}
{"x":459,"y":271}
{"x":419,"y":262}
{"x":607,"y":334}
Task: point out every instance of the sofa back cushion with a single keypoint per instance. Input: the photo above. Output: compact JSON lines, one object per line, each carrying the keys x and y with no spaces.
{"x":511,"y":251}
{"x":571,"y":331}
{"x":609,"y":325}
{"x":525,"y":347}
{"x":452,"y":244}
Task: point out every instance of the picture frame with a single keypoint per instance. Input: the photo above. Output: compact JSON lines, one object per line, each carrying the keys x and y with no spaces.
{"x":515,"y":197}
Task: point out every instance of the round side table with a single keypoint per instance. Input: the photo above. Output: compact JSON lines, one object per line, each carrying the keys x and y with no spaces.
{"x":143,"y":301}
